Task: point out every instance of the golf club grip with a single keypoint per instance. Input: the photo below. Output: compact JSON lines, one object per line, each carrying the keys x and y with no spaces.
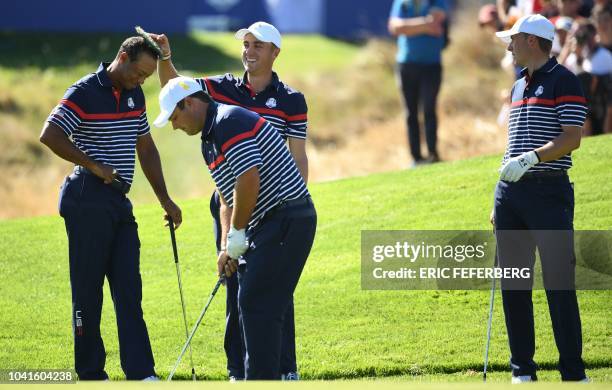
{"x":173,"y":239}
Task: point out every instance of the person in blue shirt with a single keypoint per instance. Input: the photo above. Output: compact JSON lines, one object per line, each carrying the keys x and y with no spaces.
{"x":420,"y":29}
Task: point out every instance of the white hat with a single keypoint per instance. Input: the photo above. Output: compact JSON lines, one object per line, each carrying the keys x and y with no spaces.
{"x":173,"y":92}
{"x":263,"y":31}
{"x":536,"y":25}
{"x":564,"y":23}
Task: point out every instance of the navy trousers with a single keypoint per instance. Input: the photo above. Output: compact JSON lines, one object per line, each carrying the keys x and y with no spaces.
{"x":535,"y":205}
{"x":268,"y":276}
{"x":233,"y":341}
{"x":103,"y":242}
{"x":420,"y":84}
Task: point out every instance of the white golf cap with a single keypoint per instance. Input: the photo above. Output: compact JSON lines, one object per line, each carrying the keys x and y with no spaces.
{"x":263,"y":31}
{"x":173,"y":92}
{"x":536,"y":25}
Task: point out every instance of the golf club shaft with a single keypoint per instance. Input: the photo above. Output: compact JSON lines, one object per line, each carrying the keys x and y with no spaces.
{"x":195,"y":327}
{"x":486,"y":358}
{"x":180,"y":284}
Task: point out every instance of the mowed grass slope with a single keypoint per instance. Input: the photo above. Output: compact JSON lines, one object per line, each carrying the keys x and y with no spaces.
{"x":342,"y":331}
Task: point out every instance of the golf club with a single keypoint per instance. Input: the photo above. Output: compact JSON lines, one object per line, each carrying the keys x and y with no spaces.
{"x":195,"y":328}
{"x":180,"y":284}
{"x":491,"y":301}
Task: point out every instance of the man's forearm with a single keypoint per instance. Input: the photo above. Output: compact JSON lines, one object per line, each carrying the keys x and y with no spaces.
{"x":225,"y":218}
{"x":302,"y":165}
{"x":166,"y":71}
{"x":565,"y":143}
{"x":409,"y":27}
{"x":151,"y":167}
{"x":56,"y":140}
{"x":246,"y":192}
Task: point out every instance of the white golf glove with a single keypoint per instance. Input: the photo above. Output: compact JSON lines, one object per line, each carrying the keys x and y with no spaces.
{"x":236,"y":243}
{"x":516,"y":167}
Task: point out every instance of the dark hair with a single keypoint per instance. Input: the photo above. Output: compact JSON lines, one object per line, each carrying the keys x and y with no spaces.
{"x":203,"y":96}
{"x":544,"y":44}
{"x":133,"y":46}
{"x":585,"y":33}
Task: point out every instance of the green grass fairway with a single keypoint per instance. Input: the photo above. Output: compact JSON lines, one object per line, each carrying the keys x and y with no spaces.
{"x":342,"y":331}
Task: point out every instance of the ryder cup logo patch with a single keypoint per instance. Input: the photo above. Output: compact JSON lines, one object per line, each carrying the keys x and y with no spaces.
{"x":539,"y":91}
{"x":271,"y":103}
{"x":131,"y":103}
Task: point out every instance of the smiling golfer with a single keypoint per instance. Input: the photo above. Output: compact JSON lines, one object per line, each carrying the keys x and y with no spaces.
{"x":534,"y":195}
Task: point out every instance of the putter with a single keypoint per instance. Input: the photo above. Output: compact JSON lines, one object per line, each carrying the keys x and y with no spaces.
{"x":491,"y":301}
{"x":180,"y":284}
{"x":195,"y":328}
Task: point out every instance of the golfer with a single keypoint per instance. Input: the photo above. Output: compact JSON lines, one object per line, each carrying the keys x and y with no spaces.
{"x":534,"y":195}
{"x":261,"y":91}
{"x":273,"y":219}
{"x":100,"y":125}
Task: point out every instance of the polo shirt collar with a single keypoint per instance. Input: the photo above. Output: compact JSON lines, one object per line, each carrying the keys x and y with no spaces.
{"x":274,"y":83}
{"x":546,"y":68}
{"x":102,"y":75}
{"x":211,"y":113}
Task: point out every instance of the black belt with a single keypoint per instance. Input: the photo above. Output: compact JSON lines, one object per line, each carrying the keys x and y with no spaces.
{"x":287,"y":204}
{"x":544,"y":174}
{"x":118,"y":182}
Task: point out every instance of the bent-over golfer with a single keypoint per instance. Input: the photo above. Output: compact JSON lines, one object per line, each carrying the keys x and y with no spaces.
{"x":259,"y":90}
{"x":100,"y":125}
{"x":273,"y":221}
{"x":534,"y":195}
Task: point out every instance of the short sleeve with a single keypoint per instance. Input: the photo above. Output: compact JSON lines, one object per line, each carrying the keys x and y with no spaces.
{"x":570,"y":102}
{"x":242,"y":151}
{"x":396,"y":9}
{"x":67,"y":114}
{"x":297,"y":118}
{"x":442,"y":4}
{"x":143,"y":124}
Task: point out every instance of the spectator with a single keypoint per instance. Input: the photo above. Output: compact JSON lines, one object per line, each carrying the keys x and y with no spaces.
{"x":488,"y":18}
{"x":420,"y":31}
{"x":602,"y":18}
{"x":563,"y":25}
{"x":592,"y":64}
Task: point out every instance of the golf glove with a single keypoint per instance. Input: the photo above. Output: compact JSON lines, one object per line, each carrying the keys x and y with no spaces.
{"x":516,"y":167}
{"x":236,"y":243}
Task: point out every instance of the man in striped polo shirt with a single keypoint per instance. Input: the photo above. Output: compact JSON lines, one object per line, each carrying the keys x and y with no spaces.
{"x":100,"y":125}
{"x":534,"y":197}
{"x":261,"y":91}
{"x":273,"y":220}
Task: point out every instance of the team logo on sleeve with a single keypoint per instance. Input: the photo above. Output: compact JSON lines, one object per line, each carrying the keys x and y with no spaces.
{"x":539,"y":91}
{"x":271,"y":103}
{"x":130,"y":103}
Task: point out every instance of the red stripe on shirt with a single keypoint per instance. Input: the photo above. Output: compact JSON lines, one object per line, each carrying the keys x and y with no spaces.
{"x":84,"y":115}
{"x":242,"y":136}
{"x":216,"y":163}
{"x":550,"y":102}
{"x":260,"y":110}
{"x":544,"y":102}
{"x":573,"y":99}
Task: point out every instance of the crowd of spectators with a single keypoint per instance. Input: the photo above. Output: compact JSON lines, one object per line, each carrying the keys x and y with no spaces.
{"x":583,"y":44}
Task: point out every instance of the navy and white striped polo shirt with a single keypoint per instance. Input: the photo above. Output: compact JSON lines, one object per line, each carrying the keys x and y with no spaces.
{"x":552,"y":97}
{"x":282,"y":106}
{"x":235,"y":140}
{"x":103,"y":123}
